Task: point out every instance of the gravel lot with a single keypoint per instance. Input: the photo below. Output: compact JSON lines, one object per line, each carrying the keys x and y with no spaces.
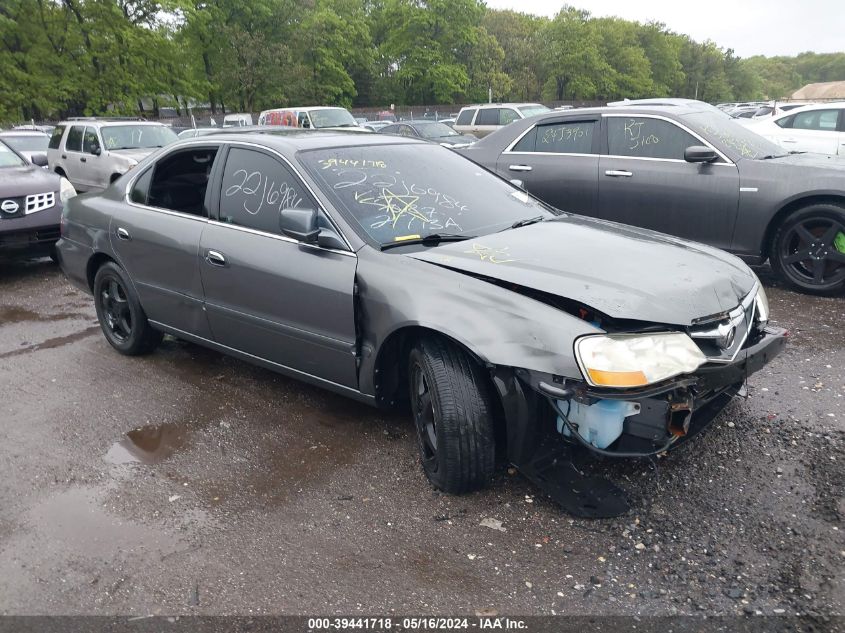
{"x":189,"y":482}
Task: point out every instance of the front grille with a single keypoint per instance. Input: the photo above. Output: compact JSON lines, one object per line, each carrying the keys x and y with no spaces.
{"x":40,"y":201}
{"x":721,"y":338}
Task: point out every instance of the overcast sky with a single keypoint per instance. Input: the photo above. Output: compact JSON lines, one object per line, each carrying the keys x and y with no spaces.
{"x":750,"y":27}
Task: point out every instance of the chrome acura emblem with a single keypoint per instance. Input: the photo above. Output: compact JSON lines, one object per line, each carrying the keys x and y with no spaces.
{"x":727,"y":335}
{"x":9,"y":206}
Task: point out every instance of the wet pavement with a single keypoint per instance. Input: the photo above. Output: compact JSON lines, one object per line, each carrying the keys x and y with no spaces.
{"x":190,"y":482}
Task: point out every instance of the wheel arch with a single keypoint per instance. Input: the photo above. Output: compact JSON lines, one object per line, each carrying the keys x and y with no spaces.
{"x":95,"y":262}
{"x":114,"y":177}
{"x":390,"y":373}
{"x":789,"y":208}
{"x":60,"y":172}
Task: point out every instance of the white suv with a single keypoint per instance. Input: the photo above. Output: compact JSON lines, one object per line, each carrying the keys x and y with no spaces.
{"x":480,"y":120}
{"x":815,"y":128}
{"x":93,"y":153}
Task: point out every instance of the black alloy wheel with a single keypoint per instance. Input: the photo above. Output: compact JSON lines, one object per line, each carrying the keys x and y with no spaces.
{"x":119,"y":311}
{"x":809,"y":249}
{"x":453,"y":406}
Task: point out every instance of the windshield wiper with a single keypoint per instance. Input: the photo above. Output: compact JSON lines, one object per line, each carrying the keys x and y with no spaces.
{"x":431,"y":239}
{"x":527,"y":221}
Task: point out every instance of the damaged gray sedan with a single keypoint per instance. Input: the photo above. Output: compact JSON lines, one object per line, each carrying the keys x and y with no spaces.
{"x":402,"y":275}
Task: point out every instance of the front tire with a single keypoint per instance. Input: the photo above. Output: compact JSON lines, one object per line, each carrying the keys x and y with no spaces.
{"x":452,"y":406}
{"x":808,"y":249}
{"x":119,"y":311}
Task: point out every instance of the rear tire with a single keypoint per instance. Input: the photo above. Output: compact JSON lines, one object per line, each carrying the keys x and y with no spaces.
{"x":452,"y":405}
{"x":804,"y":250}
{"x":119,"y":311}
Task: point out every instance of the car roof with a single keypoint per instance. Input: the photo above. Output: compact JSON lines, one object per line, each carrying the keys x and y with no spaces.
{"x":109,"y":122}
{"x":7,"y":133}
{"x":662,"y":110}
{"x":835,"y":105}
{"x":292,"y":140}
{"x":502,"y":105}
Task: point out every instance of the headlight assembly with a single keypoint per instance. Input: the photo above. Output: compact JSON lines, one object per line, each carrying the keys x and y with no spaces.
{"x":761,"y":302}
{"x":66,"y":190}
{"x":636,"y":360}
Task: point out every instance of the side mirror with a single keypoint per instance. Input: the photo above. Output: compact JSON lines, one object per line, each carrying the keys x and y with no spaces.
{"x":39,"y":159}
{"x":300,"y":224}
{"x":699,"y":154}
{"x":330,"y":239}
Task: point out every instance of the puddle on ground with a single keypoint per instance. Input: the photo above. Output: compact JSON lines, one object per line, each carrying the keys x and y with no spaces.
{"x":148,"y":444}
{"x":52,"y":343}
{"x":75,"y":524}
{"x":16,"y":314}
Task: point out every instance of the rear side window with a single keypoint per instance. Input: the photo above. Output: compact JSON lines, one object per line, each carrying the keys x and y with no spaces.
{"x":180,"y":180}
{"x":785,"y":122}
{"x":56,"y":138}
{"x":465,"y":117}
{"x":74,"y":139}
{"x":256,"y":189}
{"x":575,"y":137}
{"x":488,"y":116}
{"x":141,"y":188}
{"x":647,"y":138}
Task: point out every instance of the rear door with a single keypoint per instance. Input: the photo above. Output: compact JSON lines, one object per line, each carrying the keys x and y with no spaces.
{"x":71,"y":158}
{"x":557,"y":160}
{"x":463,"y":123}
{"x":486,"y":121}
{"x":266,"y":294}
{"x":156,"y":236}
{"x":645,"y":181}
{"x":813,"y":131}
{"x":95,"y":165}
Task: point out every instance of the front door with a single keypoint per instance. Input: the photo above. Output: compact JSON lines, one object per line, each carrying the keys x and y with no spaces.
{"x":558,"y":162}
{"x":645,"y":181}
{"x":269,"y":295}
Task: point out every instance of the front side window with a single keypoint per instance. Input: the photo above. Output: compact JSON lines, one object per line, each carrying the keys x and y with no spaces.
{"x":465,"y":117}
{"x":179,"y":181}
{"x":256,"y":189}
{"x":818,"y":120}
{"x":647,"y":138}
{"x":575,"y":137}
{"x":90,"y":141}
{"x":506,"y":115}
{"x":56,"y":137}
{"x":74,"y":138}
{"x":392,"y":193}
{"x":117,"y":137}
{"x":487,"y":116}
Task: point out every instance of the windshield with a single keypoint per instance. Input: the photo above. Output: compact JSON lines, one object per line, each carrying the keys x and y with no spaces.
{"x":731,"y":137}
{"x":531,"y":110}
{"x":332,"y":117}
{"x":137,"y":136}
{"x":8,"y":158}
{"x":434,"y":130}
{"x":401,"y":192}
{"x":33,"y":143}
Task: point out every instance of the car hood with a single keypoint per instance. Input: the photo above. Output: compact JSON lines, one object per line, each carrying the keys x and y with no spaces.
{"x":135,"y":154}
{"x":22,"y":181}
{"x":811,"y":160}
{"x":622,"y":271}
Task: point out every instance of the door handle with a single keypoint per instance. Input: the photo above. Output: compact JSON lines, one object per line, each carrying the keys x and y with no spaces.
{"x":123,"y":234}
{"x":618,"y":173}
{"x":83,"y":160}
{"x":64,"y":155}
{"x":520,"y":167}
{"x":215,"y":258}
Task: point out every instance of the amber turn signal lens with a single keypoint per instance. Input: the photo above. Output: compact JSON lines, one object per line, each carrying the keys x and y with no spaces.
{"x":618,"y":378}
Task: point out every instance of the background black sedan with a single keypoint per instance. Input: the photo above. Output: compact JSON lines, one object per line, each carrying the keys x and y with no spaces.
{"x":688,"y":171}
{"x":30,"y":204}
{"x":434,"y":131}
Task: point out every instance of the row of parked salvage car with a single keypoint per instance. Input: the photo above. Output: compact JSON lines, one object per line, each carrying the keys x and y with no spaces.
{"x":401,"y":274}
